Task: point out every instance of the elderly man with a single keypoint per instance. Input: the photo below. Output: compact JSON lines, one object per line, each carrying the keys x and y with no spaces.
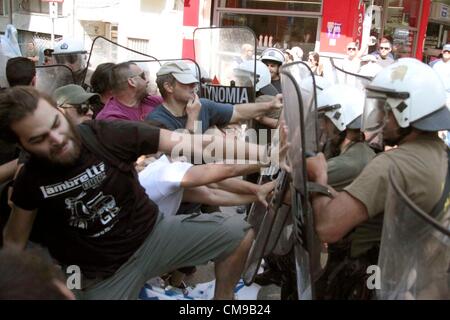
{"x":182,"y":107}
{"x":130,"y":100}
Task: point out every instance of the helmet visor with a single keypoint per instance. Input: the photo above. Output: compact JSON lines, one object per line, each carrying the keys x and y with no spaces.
{"x":374,"y":113}
{"x":75,"y":61}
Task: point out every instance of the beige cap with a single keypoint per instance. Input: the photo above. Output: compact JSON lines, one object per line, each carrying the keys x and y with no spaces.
{"x":180,"y":70}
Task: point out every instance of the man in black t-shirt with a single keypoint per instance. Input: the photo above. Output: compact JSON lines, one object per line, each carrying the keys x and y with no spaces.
{"x":97,"y":215}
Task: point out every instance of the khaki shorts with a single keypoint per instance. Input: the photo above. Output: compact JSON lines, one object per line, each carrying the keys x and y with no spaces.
{"x":175,"y":242}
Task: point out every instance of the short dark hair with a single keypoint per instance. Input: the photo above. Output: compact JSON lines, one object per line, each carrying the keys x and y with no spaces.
{"x":28,"y":276}
{"x":101,"y":78}
{"x":385,"y":40}
{"x":20,"y":71}
{"x":15,"y":104}
{"x":161,"y":80}
{"x":119,"y":75}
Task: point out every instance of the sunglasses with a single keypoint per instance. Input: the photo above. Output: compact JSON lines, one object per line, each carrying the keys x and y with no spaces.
{"x":82,"y":109}
{"x":385,"y":48}
{"x":351,"y":49}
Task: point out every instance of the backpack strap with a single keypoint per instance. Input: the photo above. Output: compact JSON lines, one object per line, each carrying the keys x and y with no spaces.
{"x":92,"y":143}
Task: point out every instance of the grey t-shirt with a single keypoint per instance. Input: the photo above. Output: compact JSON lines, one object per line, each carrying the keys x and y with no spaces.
{"x":211,"y":114}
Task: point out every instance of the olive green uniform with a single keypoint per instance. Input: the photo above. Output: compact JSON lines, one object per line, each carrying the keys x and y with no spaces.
{"x":422,"y":164}
{"x":344,"y":168}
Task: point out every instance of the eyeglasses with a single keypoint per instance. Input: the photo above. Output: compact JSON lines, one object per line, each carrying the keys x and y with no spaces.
{"x":446,"y":51}
{"x":83,"y":109}
{"x":141,"y":75}
{"x":351,"y":49}
{"x":385,"y":48}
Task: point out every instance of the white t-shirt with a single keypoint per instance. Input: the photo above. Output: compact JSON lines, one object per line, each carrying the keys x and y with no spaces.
{"x":161,"y":180}
{"x":443,"y":70}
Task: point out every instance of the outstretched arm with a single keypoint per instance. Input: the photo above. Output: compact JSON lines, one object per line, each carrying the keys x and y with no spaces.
{"x":209,"y":148}
{"x":249,"y":111}
{"x":210,"y":173}
{"x":7,"y":170}
{"x":236,"y":185}
{"x":18,"y":228}
{"x":217,"y":197}
{"x":334,"y":217}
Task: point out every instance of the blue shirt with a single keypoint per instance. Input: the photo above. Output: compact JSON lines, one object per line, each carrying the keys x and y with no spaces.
{"x":211,"y":113}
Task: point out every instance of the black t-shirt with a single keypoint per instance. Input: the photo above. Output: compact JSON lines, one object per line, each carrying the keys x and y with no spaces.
{"x":96,"y":216}
{"x":277,"y":84}
{"x":8,"y":152}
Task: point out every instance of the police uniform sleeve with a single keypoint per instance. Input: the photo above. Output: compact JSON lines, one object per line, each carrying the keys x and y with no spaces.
{"x":370,"y":187}
{"x":344,"y":168}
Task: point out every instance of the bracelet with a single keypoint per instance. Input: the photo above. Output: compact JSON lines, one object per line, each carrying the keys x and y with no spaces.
{"x":318,"y":189}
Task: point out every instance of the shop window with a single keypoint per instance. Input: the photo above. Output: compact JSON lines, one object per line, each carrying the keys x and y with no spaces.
{"x":403,"y":13}
{"x":286,"y":5}
{"x":3,"y":8}
{"x":140,"y":45}
{"x":277,"y":31}
{"x":37,"y":6}
{"x":402,"y":21}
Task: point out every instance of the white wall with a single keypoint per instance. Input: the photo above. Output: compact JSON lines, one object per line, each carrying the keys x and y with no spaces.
{"x":161,"y":25}
{"x":152,"y":20}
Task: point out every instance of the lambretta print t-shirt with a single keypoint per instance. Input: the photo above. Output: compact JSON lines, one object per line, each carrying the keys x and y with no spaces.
{"x":95,"y":215}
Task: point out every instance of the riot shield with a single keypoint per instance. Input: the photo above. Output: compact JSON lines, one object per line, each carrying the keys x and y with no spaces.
{"x":300,"y":108}
{"x":340,"y":74}
{"x":300,"y":111}
{"x":9,"y":48}
{"x":151,"y":67}
{"x":51,"y":77}
{"x":220,"y":51}
{"x":268,"y":227}
{"x":104,"y":50}
{"x":414,"y":259}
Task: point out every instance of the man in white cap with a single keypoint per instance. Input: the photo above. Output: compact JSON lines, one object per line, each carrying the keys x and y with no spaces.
{"x":296,"y":53}
{"x":182,"y":106}
{"x":442,"y":67}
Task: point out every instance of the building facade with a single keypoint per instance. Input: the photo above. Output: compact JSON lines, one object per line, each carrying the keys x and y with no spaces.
{"x":149,"y":26}
{"x":326,"y":26}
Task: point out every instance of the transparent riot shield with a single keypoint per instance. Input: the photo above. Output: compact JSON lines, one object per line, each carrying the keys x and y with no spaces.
{"x":104,"y":50}
{"x":300,"y":112}
{"x":414,"y":259}
{"x":268,"y":224}
{"x":341,"y":75}
{"x":223,"y":53}
{"x":151,"y":67}
{"x":51,"y":77}
{"x":277,"y":230}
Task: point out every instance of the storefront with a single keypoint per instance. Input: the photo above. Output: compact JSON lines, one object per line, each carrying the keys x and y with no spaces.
{"x":403,"y":22}
{"x":323,"y":25}
{"x":437,"y":30}
{"x":281,"y":24}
